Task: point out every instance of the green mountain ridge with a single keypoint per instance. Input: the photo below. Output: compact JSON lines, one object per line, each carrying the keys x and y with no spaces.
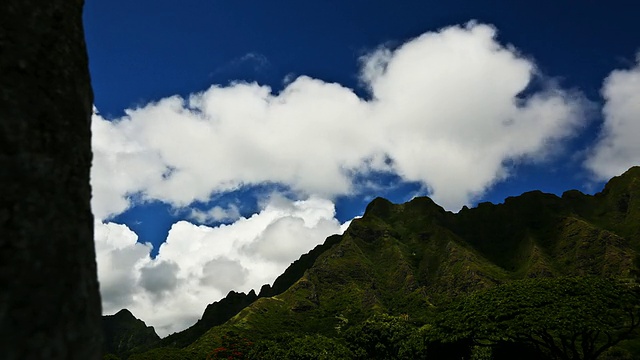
{"x":409,"y":260}
{"x":123,"y":333}
{"x":220,"y":311}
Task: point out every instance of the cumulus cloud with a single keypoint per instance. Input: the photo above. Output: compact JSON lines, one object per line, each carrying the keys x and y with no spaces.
{"x":223,"y":273}
{"x":122,"y":166}
{"x":159,"y":278}
{"x":198,"y":265}
{"x":618,"y":147}
{"x":447,"y":110}
{"x":119,"y":257}
{"x":216,"y":214}
{"x":269,"y":244}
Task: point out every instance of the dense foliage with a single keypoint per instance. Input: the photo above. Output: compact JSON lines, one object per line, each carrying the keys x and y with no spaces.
{"x":306,"y":347}
{"x":564,"y":318}
{"x":386,"y":337}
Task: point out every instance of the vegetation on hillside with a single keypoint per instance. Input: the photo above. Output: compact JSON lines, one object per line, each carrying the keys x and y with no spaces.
{"x":540,"y":276}
{"x":562,"y":318}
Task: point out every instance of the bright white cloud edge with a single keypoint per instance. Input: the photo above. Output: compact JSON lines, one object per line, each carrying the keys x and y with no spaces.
{"x":445,"y":111}
{"x":618,"y":147}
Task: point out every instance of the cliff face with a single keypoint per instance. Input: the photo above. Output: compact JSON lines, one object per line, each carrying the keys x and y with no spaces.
{"x":49,"y":302}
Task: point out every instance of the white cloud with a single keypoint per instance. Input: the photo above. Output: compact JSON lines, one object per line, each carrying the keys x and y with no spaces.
{"x":618,"y":147}
{"x":122,"y":166}
{"x":119,"y":259}
{"x":270,"y":246}
{"x":223,"y":273}
{"x":159,"y":277}
{"x":198,"y":265}
{"x":259,"y":61}
{"x":216,"y":214}
{"x":446,"y":111}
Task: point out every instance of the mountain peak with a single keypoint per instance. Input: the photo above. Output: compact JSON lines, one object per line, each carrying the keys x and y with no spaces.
{"x":630,"y":179}
{"x":378,"y":207}
{"x":124,"y":314}
{"x":123,"y":332}
{"x":633,"y":171}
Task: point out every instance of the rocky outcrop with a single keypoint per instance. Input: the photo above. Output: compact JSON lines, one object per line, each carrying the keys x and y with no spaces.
{"x":49,"y":299}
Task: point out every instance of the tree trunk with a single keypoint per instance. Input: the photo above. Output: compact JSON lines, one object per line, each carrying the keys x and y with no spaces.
{"x":49,"y":299}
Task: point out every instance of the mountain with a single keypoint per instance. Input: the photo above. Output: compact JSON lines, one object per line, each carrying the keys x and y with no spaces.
{"x":219,"y":312}
{"x":123,"y":333}
{"x":409,"y":260}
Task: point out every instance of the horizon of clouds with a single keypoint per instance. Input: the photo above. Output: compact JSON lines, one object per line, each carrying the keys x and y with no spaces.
{"x":447,"y":109}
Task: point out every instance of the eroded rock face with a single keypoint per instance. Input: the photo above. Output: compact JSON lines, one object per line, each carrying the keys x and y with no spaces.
{"x":49,"y":299}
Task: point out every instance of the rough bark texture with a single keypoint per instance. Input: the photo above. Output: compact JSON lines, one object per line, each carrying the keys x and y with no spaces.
{"x":49,"y":299}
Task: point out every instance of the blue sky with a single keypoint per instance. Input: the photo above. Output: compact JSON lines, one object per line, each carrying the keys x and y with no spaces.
{"x":238,"y":135}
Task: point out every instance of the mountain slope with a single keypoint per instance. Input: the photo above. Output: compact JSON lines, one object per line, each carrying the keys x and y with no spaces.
{"x":123,"y":332}
{"x":409,"y":259}
{"x":219,"y":312}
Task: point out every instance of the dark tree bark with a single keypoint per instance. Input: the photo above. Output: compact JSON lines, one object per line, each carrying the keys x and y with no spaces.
{"x":49,"y":299}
